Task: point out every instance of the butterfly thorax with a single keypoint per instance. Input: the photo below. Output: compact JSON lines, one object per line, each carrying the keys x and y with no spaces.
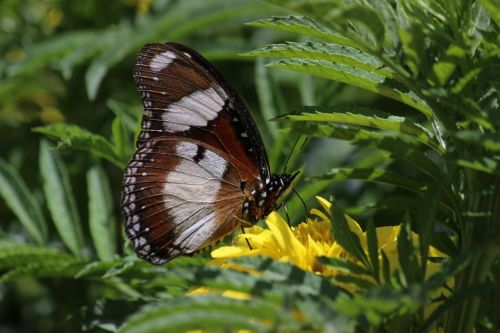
{"x":265,"y":197}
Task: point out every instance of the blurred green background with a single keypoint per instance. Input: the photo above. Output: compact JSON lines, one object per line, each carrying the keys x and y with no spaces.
{"x":72,"y":62}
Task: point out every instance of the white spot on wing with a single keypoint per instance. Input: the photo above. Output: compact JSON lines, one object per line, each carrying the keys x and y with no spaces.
{"x":196,"y":109}
{"x":161,"y":61}
{"x":190,"y":194}
{"x":213,"y":163}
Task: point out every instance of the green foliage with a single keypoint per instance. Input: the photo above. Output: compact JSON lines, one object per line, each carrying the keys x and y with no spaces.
{"x":411,"y":86}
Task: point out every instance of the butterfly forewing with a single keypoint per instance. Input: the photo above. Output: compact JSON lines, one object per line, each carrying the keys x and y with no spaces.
{"x":184,"y":95}
{"x":179,"y":197}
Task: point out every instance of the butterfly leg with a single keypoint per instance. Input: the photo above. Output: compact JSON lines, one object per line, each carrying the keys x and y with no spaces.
{"x":285,"y":208}
{"x":248,"y":243}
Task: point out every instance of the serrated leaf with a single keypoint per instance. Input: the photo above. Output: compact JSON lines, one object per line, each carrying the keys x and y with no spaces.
{"x":324,"y":51}
{"x":75,"y":137}
{"x":101,"y":215}
{"x":346,"y":238}
{"x":22,"y":203}
{"x":203,"y":312}
{"x":446,"y":66}
{"x":97,"y":268}
{"x":65,"y":268}
{"x":365,"y":15}
{"x":60,"y":199}
{"x":18,"y":255}
{"x":399,"y":146}
{"x":366,"y":117}
{"x":356,"y":77}
{"x":388,"y":16}
{"x":344,"y":265}
{"x":303,"y":26}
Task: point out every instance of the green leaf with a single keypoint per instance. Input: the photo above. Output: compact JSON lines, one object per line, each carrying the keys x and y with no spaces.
{"x":324,"y":51}
{"x":454,"y":301}
{"x":17,"y":255}
{"x":60,"y":47}
{"x":122,"y":146}
{"x":118,"y":46}
{"x":492,"y":7}
{"x":64,"y":268}
{"x":346,"y":238}
{"x":485,"y":164}
{"x":344,"y":265}
{"x":413,"y":46}
{"x":302,"y":26}
{"x":356,"y":77}
{"x":75,"y":137}
{"x":22,"y":203}
{"x":399,"y":146}
{"x":372,"y":174}
{"x":265,"y":95}
{"x":372,"y":242}
{"x":389,"y":20}
{"x":407,"y":255}
{"x":386,"y":268}
{"x":446,"y":66}
{"x":366,"y":117}
{"x":101,"y":215}
{"x":60,"y":199}
{"x":364,"y":15}
{"x":203,"y":312}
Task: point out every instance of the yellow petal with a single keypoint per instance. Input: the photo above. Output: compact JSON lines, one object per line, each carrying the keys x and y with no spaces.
{"x":319,"y":214}
{"x":228,"y":252}
{"x":327,"y":205}
{"x":354,"y":226}
{"x":236,"y":295}
{"x":285,"y":238}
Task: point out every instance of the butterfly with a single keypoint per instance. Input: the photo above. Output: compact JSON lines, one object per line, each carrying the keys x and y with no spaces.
{"x":200,"y":169}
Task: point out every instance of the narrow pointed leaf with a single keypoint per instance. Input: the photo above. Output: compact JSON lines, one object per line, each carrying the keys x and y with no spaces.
{"x":75,"y":137}
{"x":101,"y":215}
{"x":372,"y":242}
{"x":369,"y":118}
{"x":303,"y":26}
{"x":22,"y":203}
{"x":324,"y":51}
{"x":60,"y":199}
{"x":401,"y":147}
{"x":356,"y":77}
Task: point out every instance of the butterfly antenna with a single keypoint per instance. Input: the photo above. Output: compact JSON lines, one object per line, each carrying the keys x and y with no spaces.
{"x":248,"y":242}
{"x":285,"y":208}
{"x":301,"y":200}
{"x":291,"y":153}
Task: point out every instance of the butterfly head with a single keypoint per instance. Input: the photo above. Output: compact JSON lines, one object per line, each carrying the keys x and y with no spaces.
{"x":266,"y":196}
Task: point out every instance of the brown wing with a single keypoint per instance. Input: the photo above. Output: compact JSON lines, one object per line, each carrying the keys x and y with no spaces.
{"x":179,"y":197}
{"x":183,"y":95}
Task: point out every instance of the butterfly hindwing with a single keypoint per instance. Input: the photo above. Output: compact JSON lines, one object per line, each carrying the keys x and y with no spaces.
{"x":183,"y":95}
{"x":179,"y":197}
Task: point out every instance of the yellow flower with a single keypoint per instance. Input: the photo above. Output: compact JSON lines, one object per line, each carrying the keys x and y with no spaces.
{"x":303,"y":244}
{"x":300,"y":245}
